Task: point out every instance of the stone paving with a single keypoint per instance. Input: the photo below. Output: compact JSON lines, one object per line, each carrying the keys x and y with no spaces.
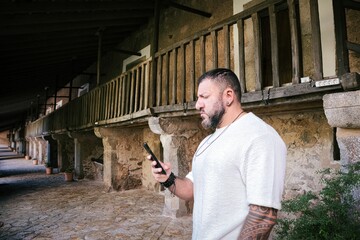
{"x":34,"y":205}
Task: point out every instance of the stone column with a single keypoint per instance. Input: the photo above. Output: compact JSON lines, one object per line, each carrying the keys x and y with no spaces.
{"x":179,"y":138}
{"x":35,"y":148}
{"x":27,"y":147}
{"x":51,"y":151}
{"x":31,"y":147}
{"x":41,"y":146}
{"x":65,"y":151}
{"x":123,"y":156}
{"x":343,"y":112}
{"x":86,"y":146}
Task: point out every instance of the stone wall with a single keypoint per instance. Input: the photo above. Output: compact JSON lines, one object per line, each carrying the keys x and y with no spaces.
{"x":309,"y":141}
{"x":3,"y":138}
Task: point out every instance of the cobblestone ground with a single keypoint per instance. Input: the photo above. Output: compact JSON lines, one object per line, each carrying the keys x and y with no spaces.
{"x":34,"y":205}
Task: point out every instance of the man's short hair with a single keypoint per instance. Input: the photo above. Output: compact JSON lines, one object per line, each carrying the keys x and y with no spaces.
{"x":224,"y":78}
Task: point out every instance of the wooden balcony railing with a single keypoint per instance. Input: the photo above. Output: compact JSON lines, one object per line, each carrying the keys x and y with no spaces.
{"x":140,"y":92}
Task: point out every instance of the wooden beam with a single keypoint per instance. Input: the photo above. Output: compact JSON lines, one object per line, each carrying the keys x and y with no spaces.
{"x":167,"y":78}
{"x":202,"y":54}
{"x":70,"y":18}
{"x":154,"y":49}
{"x":227,"y":46}
{"x":48,"y":28}
{"x":192,"y":71}
{"x":257,"y":50}
{"x":88,"y":6}
{"x":174,"y":77}
{"x":183,"y":74}
{"x":342,"y":53}
{"x":241,"y":44}
{"x":316,"y":40}
{"x":294,"y":42}
{"x":214,"y":49}
{"x":274,"y":47}
{"x":186,"y":8}
{"x":126,"y":52}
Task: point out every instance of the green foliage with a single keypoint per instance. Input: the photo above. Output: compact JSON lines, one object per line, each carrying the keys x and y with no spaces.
{"x":331,"y":214}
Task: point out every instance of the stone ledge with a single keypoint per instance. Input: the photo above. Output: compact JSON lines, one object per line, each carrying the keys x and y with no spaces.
{"x":343,"y":109}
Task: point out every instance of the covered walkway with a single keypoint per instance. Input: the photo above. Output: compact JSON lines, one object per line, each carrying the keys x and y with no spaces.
{"x":39,"y":206}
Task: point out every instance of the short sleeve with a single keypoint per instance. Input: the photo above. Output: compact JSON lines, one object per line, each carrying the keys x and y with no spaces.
{"x":190,"y":176}
{"x":265,"y":171}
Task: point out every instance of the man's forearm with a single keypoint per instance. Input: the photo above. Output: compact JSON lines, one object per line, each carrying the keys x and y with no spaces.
{"x":182,"y":188}
{"x":259,"y":223}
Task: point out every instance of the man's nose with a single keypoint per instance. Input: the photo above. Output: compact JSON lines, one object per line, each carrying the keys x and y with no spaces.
{"x":198,"y":104}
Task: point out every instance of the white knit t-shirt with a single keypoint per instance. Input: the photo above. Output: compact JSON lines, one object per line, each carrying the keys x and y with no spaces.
{"x":245,"y":165}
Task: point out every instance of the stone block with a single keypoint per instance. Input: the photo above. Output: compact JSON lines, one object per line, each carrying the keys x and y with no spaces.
{"x":349,"y":142}
{"x":343,"y":109}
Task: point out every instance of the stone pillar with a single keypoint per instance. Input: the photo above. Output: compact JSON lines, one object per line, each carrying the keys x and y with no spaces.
{"x":65,"y":151}
{"x":51,"y":151}
{"x":179,"y":138}
{"x":35,"y":148}
{"x":27,"y":147}
{"x":343,"y":112}
{"x":123,"y":157}
{"x":12,"y":141}
{"x":20,"y":141}
{"x":41,"y":146}
{"x":86,"y":147}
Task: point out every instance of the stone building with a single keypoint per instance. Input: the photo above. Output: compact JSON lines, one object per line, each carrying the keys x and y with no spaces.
{"x":298,"y":65}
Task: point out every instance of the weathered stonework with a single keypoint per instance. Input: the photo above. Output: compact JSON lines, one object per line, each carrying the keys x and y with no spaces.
{"x":123,"y":157}
{"x":65,"y":151}
{"x":309,"y":149}
{"x":87,"y":146}
{"x":4,"y":138}
{"x":179,"y":138}
{"x":343,"y":109}
{"x":349,"y":144}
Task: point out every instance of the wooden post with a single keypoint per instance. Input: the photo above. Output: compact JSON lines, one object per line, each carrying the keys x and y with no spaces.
{"x":154,"y":49}
{"x":241,"y":43}
{"x":274,"y":47}
{"x":316,"y":40}
{"x":257,"y":51}
{"x":294,"y":42}
{"x":342,"y":54}
{"x":98,"y":67}
{"x":214,"y":48}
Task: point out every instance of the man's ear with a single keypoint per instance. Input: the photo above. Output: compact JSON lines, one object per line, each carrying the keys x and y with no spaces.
{"x":229,"y":96}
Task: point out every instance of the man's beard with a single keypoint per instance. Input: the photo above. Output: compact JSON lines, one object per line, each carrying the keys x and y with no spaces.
{"x":214,"y":119}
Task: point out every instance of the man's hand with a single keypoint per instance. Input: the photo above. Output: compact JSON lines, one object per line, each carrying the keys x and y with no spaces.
{"x":156,"y":172}
{"x":258,"y":223}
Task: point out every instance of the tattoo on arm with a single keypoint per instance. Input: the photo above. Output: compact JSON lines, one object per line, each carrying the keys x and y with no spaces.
{"x":258,"y":223}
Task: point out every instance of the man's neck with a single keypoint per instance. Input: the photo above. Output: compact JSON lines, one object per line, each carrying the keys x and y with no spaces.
{"x":231,"y":116}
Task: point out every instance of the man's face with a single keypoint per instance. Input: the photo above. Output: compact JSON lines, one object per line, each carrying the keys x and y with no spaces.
{"x":210,"y":104}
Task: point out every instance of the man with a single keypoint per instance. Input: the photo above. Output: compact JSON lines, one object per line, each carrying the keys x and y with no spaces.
{"x":237,"y":175}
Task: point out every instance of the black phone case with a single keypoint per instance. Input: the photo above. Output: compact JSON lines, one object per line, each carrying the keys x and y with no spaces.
{"x":158,"y":165}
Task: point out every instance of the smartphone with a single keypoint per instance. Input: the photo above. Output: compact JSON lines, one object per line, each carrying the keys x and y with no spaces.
{"x":158,"y":165}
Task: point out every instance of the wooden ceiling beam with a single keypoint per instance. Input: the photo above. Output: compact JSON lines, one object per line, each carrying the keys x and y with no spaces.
{"x":47,"y":47}
{"x":79,"y":6}
{"x":59,"y":18}
{"x":71,"y":26}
